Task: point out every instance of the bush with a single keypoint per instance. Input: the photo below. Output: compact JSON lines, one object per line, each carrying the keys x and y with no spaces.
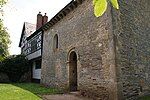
{"x":14,"y":66}
{"x":4,"y":78}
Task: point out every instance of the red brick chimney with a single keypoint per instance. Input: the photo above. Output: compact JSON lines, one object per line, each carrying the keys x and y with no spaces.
{"x":45,"y":19}
{"x":39,"y":22}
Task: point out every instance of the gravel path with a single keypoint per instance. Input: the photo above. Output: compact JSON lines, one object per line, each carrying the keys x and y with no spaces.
{"x":71,"y":96}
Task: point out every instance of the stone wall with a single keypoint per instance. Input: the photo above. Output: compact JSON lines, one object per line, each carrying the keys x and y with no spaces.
{"x":92,"y":39}
{"x":131,"y":26}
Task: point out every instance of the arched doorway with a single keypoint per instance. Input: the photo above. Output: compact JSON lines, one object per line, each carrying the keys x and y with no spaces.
{"x":73,"y":71}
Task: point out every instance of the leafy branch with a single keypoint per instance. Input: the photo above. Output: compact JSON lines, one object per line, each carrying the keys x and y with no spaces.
{"x":100,"y":6}
{"x":4,"y":36}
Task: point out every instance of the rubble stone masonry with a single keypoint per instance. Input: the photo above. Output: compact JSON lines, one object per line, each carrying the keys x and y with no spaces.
{"x":113,"y":51}
{"x":131,"y":27}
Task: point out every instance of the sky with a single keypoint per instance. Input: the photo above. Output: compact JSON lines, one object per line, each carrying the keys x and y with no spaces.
{"x":16,"y":12}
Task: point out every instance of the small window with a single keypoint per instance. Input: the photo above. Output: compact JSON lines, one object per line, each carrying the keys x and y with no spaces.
{"x":55,"y":42}
{"x":38,"y":64}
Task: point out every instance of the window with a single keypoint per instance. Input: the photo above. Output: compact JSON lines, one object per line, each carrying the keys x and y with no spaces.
{"x":33,"y":45}
{"x":38,"y":64}
{"x":55,"y":42}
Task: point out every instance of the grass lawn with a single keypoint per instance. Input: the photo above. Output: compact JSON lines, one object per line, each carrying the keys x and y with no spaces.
{"x":24,"y":91}
{"x":144,"y":98}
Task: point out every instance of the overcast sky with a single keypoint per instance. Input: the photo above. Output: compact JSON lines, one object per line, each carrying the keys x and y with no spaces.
{"x":16,"y":12}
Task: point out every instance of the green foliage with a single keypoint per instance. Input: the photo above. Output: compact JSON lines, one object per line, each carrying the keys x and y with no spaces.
{"x":100,"y":6}
{"x":2,"y":2}
{"x":115,"y":3}
{"x":14,"y":66}
{"x":4,"y":41}
{"x":4,"y":36}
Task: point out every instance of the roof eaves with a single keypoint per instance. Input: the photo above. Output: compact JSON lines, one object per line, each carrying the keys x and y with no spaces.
{"x":62,"y":13}
{"x":22,"y":34}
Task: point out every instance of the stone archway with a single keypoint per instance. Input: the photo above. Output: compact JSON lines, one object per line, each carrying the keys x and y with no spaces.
{"x":73,"y":71}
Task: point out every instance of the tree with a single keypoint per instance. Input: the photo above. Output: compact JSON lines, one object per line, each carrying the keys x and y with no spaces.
{"x":100,"y":6}
{"x":4,"y":41}
{"x":4,"y":36}
{"x":2,"y":2}
{"x":15,"y":66}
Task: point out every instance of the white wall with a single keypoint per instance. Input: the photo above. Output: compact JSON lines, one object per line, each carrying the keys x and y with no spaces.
{"x":34,"y":55}
{"x":36,"y":72}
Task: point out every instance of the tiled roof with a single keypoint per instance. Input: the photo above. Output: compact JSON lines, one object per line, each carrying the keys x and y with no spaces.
{"x":29,"y":28}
